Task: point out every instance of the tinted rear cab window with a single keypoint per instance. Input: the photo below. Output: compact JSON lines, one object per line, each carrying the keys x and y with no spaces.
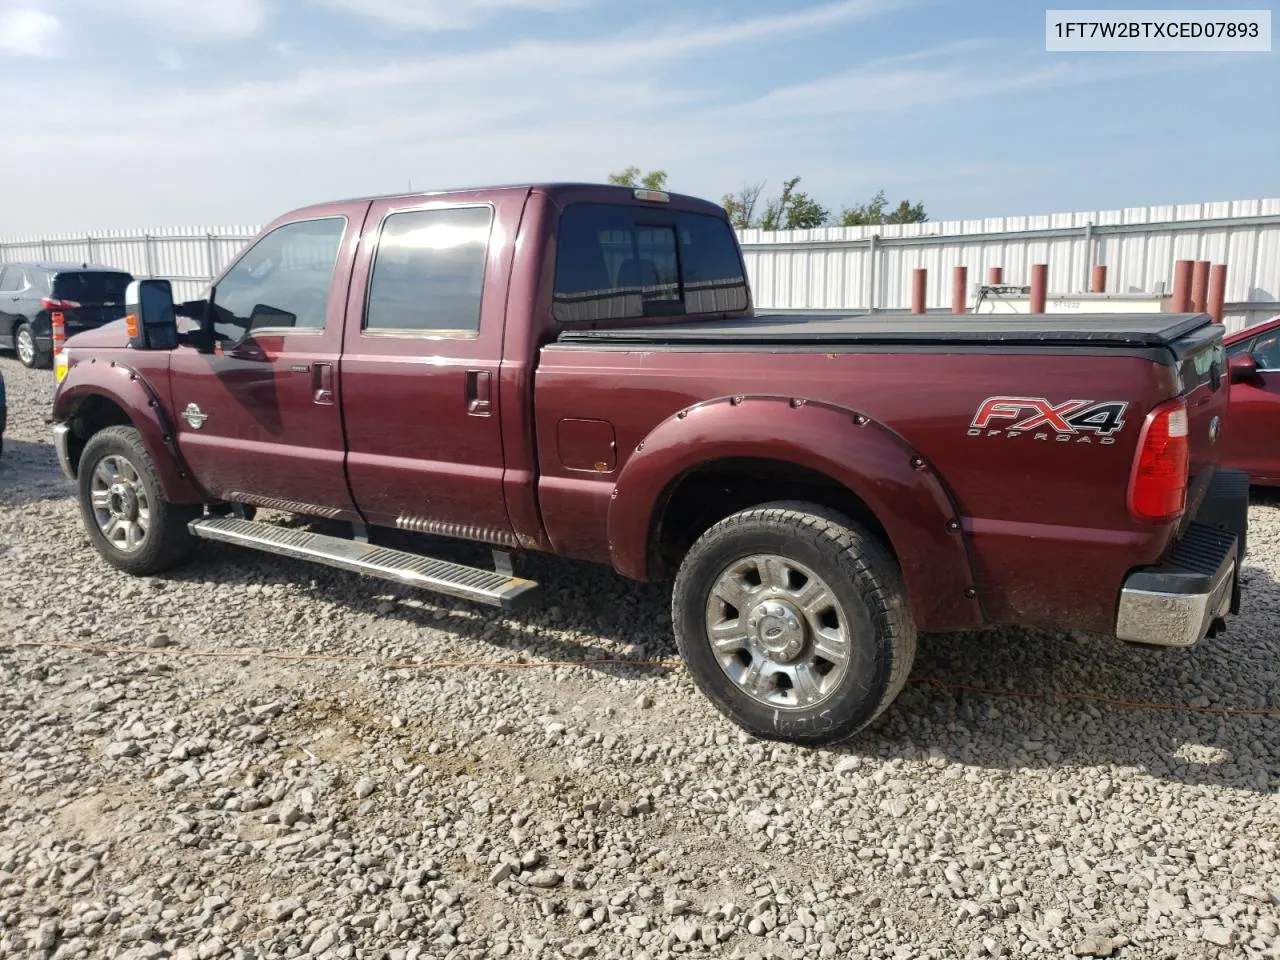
{"x":615,"y":261}
{"x":428,"y":274}
{"x":91,"y":287}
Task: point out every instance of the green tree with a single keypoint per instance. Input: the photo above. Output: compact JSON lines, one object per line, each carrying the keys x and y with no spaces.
{"x":873,"y":213}
{"x":776,"y":210}
{"x":804,"y":213}
{"x":793,"y":210}
{"x":632,"y":177}
{"x":907,"y":212}
{"x":741,"y":206}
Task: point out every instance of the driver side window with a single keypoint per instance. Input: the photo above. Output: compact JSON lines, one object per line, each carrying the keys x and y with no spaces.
{"x":1266,"y":351}
{"x":1243,"y":346}
{"x":282,"y":281}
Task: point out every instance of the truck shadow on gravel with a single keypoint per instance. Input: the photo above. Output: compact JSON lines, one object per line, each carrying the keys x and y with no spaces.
{"x":1264,"y":496}
{"x":29,"y":473}
{"x":609,"y":617}
{"x":1030,"y":710}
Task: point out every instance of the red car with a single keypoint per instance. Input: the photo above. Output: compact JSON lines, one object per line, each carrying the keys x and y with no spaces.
{"x":1251,"y":437}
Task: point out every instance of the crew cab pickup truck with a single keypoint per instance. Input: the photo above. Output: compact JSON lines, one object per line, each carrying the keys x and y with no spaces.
{"x":579,"y":370}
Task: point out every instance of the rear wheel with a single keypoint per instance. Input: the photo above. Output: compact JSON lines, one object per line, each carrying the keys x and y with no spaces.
{"x":793,"y":622}
{"x":27,"y":349}
{"x":128,"y":520}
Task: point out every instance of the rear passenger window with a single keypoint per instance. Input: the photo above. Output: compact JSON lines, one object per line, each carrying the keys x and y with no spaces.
{"x":10,"y":279}
{"x":616,"y":261}
{"x":92,"y":287}
{"x":428,"y":273}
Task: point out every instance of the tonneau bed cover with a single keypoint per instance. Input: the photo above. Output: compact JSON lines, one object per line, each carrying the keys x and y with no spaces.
{"x":1094,"y":330}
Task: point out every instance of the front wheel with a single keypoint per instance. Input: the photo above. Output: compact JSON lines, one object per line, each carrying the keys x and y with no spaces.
{"x":794,"y":623}
{"x":129,"y":522}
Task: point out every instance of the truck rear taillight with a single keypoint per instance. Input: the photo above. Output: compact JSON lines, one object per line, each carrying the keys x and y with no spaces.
{"x":53,"y":303}
{"x":1158,"y":486}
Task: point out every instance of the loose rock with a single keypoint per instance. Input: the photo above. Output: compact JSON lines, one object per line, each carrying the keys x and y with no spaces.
{"x":157,"y":804}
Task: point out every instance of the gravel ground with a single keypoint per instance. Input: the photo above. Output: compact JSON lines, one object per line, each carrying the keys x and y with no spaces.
{"x":159,"y":804}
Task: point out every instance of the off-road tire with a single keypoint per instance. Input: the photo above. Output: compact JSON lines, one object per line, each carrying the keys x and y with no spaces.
{"x":168,"y":542}
{"x":38,"y":358}
{"x":867,"y":586}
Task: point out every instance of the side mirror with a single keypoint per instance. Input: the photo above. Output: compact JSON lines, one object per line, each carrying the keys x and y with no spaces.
{"x":264,"y":315}
{"x":149,"y":315}
{"x":1242,"y":368}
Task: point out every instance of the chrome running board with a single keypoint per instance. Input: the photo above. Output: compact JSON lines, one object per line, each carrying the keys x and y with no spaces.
{"x":411,"y":569}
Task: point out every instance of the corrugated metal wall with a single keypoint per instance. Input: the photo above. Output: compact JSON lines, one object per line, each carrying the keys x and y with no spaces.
{"x":189,"y":256}
{"x":858,"y":268}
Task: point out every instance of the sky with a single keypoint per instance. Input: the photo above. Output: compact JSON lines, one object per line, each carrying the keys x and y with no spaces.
{"x":121,"y":114}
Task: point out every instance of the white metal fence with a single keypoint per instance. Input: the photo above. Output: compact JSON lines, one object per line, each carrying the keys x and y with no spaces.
{"x":189,"y":256}
{"x":861,"y":268}
{"x":849,"y":269}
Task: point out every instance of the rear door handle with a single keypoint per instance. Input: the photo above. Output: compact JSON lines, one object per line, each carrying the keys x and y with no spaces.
{"x":322,"y":383}
{"x":478,"y":393}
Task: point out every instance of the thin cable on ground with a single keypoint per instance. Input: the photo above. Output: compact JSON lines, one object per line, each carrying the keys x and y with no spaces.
{"x":1097,"y":698}
{"x":664,"y":663}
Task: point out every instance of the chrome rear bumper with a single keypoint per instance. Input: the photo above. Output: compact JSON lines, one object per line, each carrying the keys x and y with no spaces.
{"x":61,"y":437}
{"x":1185,"y":599}
{"x":1170,"y":617}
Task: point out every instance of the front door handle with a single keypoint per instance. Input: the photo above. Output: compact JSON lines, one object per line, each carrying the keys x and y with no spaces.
{"x":322,"y":383}
{"x":478,"y":393}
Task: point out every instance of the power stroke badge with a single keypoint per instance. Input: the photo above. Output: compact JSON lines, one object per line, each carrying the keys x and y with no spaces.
{"x":1073,"y":421}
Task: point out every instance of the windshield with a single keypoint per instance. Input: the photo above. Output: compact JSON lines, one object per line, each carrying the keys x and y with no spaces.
{"x":89,"y":287}
{"x":618,"y":262}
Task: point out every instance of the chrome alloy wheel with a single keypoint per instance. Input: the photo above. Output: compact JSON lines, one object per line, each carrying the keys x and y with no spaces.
{"x":26,"y":346}
{"x":778,"y":632}
{"x":121,"y":506}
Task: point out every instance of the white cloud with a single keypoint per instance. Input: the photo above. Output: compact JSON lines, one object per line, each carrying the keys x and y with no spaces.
{"x":29,"y":33}
{"x":445,"y":14}
{"x":192,"y":19}
{"x":900,"y":84}
{"x":300,"y":124}
{"x":519,"y":73}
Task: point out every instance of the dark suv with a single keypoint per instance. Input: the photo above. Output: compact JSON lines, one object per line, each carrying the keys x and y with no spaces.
{"x":87,"y":296}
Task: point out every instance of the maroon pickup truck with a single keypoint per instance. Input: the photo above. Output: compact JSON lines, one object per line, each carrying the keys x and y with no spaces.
{"x":578,"y":370}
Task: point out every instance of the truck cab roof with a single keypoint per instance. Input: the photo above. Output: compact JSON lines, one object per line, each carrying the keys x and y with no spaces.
{"x":601,"y":192}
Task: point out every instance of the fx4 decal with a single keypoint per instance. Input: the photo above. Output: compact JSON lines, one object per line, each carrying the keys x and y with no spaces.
{"x":1073,"y":421}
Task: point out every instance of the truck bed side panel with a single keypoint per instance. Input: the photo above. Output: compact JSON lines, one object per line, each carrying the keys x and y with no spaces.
{"x":1046,"y":518}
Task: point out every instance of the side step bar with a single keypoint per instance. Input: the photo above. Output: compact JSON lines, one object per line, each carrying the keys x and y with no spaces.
{"x":411,"y":569}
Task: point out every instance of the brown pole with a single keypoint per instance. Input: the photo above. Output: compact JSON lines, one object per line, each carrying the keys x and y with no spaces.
{"x":1099,"y":280}
{"x":1039,"y":286}
{"x":959,"y":289}
{"x":1217,"y":291}
{"x":995,"y":275}
{"x":1181,"y":286}
{"x":919,"y":283}
{"x":1200,"y":286}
